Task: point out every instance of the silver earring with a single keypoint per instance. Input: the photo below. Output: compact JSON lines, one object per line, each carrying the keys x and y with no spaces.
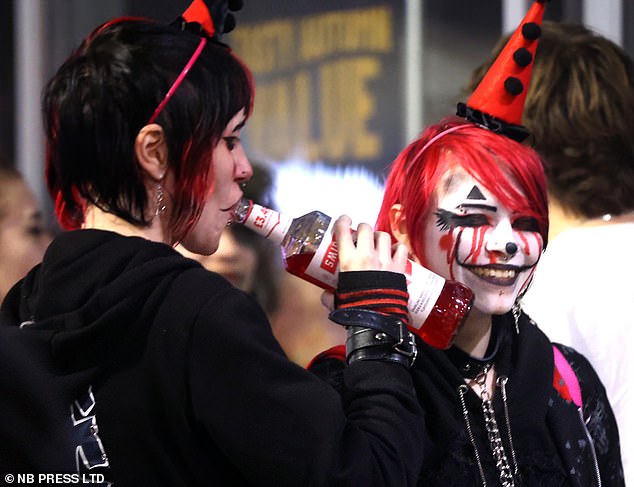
{"x":160,"y":204}
{"x":517,"y":311}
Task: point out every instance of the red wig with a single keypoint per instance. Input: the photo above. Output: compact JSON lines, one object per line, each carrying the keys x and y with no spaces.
{"x":490,"y":158}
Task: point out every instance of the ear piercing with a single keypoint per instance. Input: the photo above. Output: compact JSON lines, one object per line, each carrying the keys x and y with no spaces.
{"x":160,"y":203}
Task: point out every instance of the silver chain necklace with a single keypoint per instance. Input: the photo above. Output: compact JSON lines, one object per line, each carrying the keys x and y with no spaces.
{"x":495,"y":440}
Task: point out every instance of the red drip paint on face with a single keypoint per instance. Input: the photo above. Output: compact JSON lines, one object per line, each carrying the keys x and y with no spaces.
{"x":452,"y":248}
{"x":474,"y":244}
{"x":446,"y":244}
{"x":477,"y":244}
{"x":540,"y":243}
{"x":524,"y":285}
{"x":522,"y":236}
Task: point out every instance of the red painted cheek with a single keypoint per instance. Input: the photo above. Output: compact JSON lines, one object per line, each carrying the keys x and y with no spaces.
{"x":447,"y":243}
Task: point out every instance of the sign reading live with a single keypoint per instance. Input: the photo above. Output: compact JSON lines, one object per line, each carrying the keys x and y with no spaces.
{"x":329,"y":83}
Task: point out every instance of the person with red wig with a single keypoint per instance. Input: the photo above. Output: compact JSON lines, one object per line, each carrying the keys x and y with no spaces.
{"x":503,"y":405}
{"x":144,"y":368}
{"x":579,"y":112}
{"x":471,"y":206}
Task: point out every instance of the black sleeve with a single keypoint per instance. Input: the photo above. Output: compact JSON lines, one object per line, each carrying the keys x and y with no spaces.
{"x":281,"y":425}
{"x":600,"y":420}
{"x":329,"y":368}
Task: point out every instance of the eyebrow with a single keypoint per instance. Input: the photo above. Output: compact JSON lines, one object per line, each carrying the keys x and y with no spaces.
{"x":239,"y":126}
{"x":478,"y":206}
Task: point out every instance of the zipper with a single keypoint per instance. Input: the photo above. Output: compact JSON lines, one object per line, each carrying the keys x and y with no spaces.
{"x":592,"y":449}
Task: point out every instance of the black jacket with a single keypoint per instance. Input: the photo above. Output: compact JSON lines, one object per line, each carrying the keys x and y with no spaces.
{"x":550,"y":442}
{"x":171,"y":376}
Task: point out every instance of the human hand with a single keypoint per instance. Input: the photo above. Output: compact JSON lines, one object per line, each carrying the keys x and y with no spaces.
{"x":371,"y":250}
{"x":374,"y":331}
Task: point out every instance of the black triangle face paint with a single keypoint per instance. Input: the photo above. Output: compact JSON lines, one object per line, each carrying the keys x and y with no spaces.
{"x":475,"y":194}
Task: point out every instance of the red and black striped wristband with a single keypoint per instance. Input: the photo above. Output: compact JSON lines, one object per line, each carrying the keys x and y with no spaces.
{"x":382,"y":291}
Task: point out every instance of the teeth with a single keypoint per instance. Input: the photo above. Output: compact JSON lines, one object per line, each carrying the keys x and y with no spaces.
{"x":495,"y":273}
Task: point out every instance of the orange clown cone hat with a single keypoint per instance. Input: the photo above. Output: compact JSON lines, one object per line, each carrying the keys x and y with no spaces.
{"x":198,"y":12}
{"x":498,"y":101}
{"x":210,"y":18}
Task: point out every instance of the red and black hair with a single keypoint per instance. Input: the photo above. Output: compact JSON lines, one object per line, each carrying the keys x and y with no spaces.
{"x":490,"y":158}
{"x":106,"y":92}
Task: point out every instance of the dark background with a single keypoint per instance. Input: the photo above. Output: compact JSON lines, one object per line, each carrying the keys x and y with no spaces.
{"x":458,"y":34}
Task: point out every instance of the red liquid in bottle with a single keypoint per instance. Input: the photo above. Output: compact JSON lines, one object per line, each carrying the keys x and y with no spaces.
{"x":447,"y":316}
{"x":297,"y":265}
{"x":438,"y":307}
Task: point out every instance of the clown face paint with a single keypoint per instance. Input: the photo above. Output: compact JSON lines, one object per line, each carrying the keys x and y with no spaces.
{"x":475,"y":240}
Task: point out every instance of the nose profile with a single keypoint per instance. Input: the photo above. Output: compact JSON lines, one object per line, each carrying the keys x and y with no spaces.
{"x":244,"y":170}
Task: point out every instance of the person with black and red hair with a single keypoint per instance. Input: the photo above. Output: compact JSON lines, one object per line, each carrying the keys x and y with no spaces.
{"x":161,"y":372}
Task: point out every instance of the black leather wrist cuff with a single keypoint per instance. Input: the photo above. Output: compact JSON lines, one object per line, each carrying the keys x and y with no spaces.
{"x":376,"y":336}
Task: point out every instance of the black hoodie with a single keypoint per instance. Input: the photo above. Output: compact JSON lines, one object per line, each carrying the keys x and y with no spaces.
{"x":140,"y":365}
{"x":545,"y":436}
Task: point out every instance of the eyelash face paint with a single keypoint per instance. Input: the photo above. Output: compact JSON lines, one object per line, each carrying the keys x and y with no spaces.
{"x":444,"y":220}
{"x":448,"y":221}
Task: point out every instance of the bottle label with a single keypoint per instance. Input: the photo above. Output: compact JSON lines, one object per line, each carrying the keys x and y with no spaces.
{"x":324,"y":266}
{"x":424,"y":288}
{"x":268,"y":223}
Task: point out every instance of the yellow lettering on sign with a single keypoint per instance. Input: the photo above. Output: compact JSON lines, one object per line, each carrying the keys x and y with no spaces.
{"x":314,"y":76}
{"x":266,"y":47}
{"x":346,"y":107}
{"x":271,"y":124}
{"x":350,"y":31}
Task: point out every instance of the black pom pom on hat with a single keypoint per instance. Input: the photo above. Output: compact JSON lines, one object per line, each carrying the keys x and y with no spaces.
{"x":522,"y":57}
{"x":498,"y":101}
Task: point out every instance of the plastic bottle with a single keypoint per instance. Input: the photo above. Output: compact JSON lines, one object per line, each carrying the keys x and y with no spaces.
{"x":438,"y":307}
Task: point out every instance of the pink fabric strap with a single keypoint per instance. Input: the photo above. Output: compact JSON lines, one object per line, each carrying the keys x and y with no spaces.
{"x":438,"y":136}
{"x":569,"y":376}
{"x":179,"y":79}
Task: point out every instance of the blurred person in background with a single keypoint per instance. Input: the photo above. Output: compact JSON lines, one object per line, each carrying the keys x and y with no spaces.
{"x":580,"y":110}
{"x":23,"y":235}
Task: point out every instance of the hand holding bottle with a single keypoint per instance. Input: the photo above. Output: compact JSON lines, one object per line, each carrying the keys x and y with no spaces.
{"x":437,"y":307}
{"x":371,"y":296}
{"x":366,"y":249}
